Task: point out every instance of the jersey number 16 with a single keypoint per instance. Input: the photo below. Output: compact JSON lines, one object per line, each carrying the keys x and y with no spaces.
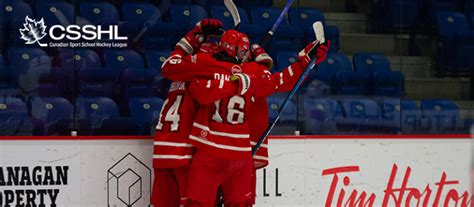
{"x":235,"y":107}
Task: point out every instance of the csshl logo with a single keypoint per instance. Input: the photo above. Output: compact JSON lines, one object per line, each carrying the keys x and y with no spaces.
{"x":63,"y":36}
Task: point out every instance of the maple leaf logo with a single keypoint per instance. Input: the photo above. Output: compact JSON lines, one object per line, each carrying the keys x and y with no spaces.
{"x":33,"y":31}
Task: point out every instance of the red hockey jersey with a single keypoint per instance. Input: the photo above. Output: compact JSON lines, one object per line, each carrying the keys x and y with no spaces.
{"x":214,"y":130}
{"x":221,"y":127}
{"x":171,"y":147}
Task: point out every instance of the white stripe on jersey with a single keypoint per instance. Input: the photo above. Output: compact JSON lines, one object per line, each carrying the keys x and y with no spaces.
{"x":290,"y":71}
{"x":174,"y":157}
{"x":172,"y":144}
{"x":221,"y":83}
{"x":221,"y":146}
{"x":262,"y":145}
{"x":223,"y":134}
{"x":281,"y":79}
{"x":260,"y":157}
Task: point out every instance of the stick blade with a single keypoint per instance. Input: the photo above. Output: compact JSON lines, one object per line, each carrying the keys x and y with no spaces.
{"x":229,"y":4}
{"x":319,"y":32}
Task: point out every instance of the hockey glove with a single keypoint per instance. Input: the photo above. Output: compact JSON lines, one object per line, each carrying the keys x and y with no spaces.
{"x":314,"y":50}
{"x":211,"y":27}
{"x":260,"y":56}
{"x":244,"y":82}
{"x":192,"y":41}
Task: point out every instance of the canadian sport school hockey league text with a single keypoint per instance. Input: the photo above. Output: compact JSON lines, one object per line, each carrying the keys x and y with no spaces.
{"x":88,"y":44}
{"x":22,"y":186}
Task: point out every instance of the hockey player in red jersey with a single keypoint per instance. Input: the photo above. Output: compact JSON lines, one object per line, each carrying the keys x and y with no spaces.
{"x":221,"y":138}
{"x":172,"y":150}
{"x":220,"y":131}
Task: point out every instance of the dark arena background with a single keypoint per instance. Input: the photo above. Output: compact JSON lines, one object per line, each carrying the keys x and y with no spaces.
{"x":385,"y":120}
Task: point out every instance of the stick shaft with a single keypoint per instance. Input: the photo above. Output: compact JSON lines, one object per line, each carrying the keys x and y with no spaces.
{"x":319,"y":33}
{"x":285,"y":103}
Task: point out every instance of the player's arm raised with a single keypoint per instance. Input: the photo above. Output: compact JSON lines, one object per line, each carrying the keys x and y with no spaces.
{"x":285,"y":80}
{"x":184,"y":64}
{"x":209,"y":91}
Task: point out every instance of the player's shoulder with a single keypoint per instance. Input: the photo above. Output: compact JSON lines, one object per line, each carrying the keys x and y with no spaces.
{"x":212,"y":62}
{"x":204,"y":56}
{"x":253,"y":66}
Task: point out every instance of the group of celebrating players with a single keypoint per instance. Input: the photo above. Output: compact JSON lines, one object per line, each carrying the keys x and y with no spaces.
{"x":215,"y":112}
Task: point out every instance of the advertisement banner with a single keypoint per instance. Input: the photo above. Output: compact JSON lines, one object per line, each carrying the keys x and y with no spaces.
{"x":366,"y":172}
{"x":75,"y":172}
{"x":302,"y":172}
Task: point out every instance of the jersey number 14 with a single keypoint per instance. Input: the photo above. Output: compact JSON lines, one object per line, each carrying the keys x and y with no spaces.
{"x":172,"y":115}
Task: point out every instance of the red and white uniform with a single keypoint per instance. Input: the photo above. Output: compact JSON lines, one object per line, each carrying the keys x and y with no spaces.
{"x":224,"y":130}
{"x":172,"y":150}
{"x":221,"y":134}
{"x":221,"y":127}
{"x":172,"y":147}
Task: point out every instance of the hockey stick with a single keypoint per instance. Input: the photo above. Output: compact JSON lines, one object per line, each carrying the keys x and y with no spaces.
{"x":319,"y":30}
{"x":234,"y":12}
{"x":270,"y":33}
